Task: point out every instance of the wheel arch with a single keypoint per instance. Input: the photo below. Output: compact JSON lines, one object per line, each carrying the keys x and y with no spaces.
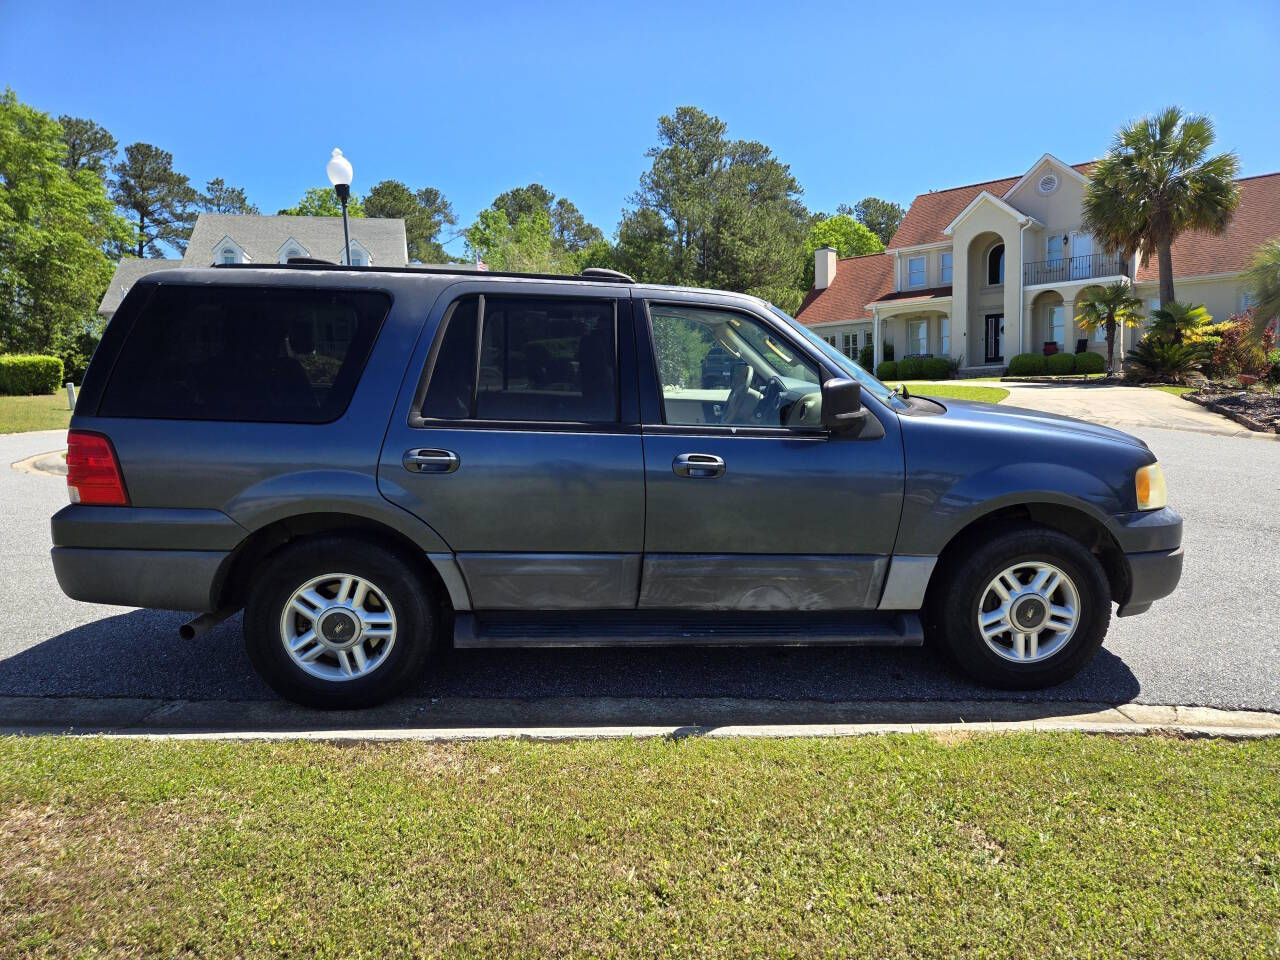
{"x":231,"y":585}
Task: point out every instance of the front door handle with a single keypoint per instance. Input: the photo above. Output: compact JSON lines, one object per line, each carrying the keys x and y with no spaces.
{"x":427,"y":460}
{"x":704,"y":466}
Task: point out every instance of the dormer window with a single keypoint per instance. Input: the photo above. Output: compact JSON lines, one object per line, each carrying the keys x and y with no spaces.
{"x":228,"y":256}
{"x":915,"y":272}
{"x":995,"y":265}
{"x":227,"y":250}
{"x":290,"y":249}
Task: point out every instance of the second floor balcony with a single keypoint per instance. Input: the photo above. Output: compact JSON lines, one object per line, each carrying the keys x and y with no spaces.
{"x":1065,"y":269}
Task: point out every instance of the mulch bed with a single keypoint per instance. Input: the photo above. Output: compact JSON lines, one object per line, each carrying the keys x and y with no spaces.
{"x":1257,"y":411}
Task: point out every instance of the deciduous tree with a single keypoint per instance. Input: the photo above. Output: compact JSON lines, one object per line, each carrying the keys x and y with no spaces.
{"x":323,"y":202}
{"x":849,"y":238}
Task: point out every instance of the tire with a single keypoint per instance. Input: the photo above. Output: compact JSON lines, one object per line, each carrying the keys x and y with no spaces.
{"x":392,"y":629}
{"x":967,"y":590}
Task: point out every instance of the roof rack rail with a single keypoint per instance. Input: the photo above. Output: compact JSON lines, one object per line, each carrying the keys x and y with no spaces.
{"x":312,"y":261}
{"x":603,"y":273}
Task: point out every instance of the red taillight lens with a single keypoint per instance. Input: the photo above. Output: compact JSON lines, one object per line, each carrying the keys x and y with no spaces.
{"x":93,"y":472}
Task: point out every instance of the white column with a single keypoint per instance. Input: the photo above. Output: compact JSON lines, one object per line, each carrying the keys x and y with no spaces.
{"x":876,"y":342}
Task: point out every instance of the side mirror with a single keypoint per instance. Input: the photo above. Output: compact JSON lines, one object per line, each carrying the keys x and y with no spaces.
{"x":841,"y":404}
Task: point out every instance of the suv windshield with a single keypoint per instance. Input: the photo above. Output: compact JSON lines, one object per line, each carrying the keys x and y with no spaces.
{"x":849,"y":367}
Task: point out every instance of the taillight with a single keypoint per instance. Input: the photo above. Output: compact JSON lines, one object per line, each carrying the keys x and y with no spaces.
{"x":93,"y":472}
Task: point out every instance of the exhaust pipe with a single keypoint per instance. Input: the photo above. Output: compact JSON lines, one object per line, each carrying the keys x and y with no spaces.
{"x":205,"y":622}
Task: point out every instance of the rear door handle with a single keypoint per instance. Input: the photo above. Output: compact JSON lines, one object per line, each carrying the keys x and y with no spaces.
{"x":429,"y":460}
{"x":704,"y":466}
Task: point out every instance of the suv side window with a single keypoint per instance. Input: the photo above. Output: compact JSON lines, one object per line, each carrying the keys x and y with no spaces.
{"x":273,"y":355}
{"x":541,"y":360}
{"x":721,"y":367}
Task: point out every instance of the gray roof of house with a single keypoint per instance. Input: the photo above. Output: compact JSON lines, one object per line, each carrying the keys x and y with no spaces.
{"x":261,"y":238}
{"x":128,"y":272}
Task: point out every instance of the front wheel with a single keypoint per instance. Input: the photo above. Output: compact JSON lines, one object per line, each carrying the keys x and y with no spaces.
{"x":1027,"y":609}
{"x":338,"y":623}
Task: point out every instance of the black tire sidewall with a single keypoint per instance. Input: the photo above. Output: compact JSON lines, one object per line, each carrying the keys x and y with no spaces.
{"x":410,"y":597}
{"x":963,"y":643}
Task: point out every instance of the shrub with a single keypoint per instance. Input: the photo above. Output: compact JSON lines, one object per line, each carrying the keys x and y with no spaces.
{"x":1060,"y":364}
{"x":22,"y":374}
{"x":1090,"y":362}
{"x":911,"y":368}
{"x":888,"y":351}
{"x":887,"y":370}
{"x":867,"y":357}
{"x":1027,"y":365}
{"x":1155,"y":358}
{"x":1273,"y":361}
{"x":936,"y":368}
{"x":1238,"y":351}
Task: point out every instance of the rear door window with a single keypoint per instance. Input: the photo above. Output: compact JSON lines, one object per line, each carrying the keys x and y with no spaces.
{"x":541,"y":360}
{"x":275,"y":355}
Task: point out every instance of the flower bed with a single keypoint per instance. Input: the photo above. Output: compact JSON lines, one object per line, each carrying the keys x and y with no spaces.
{"x":1255,"y":410}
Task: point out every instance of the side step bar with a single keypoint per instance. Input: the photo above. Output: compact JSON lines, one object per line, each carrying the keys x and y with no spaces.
{"x":638,"y":628}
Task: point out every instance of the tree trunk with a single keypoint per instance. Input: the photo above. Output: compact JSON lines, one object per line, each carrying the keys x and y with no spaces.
{"x":1164,"y":250}
{"x":1111,"y":346}
{"x":142,"y":239}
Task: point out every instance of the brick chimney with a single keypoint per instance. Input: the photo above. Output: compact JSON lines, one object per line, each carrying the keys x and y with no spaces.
{"x":824,"y":267}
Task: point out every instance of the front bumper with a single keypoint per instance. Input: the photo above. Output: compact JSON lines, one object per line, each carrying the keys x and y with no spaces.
{"x":1152,"y":575}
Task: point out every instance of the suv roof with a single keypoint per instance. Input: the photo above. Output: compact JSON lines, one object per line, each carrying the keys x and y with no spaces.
{"x":596,"y":274}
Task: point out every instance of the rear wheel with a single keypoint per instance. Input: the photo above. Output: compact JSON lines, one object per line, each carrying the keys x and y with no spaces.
{"x":337,"y":623}
{"x":1028,"y":608}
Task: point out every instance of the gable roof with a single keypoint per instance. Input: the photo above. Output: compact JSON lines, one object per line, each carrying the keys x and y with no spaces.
{"x":1257,"y":219}
{"x":128,"y":272}
{"x":991,"y":198}
{"x":262,"y":236}
{"x":930,"y":212}
{"x":858,"y":282}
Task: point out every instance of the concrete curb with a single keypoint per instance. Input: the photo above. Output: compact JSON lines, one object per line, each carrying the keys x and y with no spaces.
{"x":49,"y":464}
{"x":580,"y":718}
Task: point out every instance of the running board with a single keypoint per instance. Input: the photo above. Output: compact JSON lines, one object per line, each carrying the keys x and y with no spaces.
{"x":636,"y":628}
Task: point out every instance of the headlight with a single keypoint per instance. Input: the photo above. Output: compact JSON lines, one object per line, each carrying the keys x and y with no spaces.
{"x":1149,"y":483}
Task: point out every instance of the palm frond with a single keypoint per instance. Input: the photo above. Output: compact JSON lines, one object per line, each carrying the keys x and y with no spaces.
{"x":1263,"y":284}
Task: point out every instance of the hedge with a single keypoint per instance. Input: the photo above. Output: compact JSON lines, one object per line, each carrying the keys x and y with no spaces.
{"x":867,"y":356}
{"x":911,"y":368}
{"x":22,"y":374}
{"x":887,"y":370}
{"x":1090,"y":363}
{"x":1027,"y":365}
{"x":1059,"y":364}
{"x":936,"y":368}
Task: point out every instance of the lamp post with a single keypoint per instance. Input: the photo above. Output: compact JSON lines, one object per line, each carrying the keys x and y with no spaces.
{"x":339,"y":170}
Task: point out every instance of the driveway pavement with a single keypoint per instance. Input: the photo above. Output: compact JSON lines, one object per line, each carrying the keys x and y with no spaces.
{"x":1213,"y":643}
{"x":1125,"y":407}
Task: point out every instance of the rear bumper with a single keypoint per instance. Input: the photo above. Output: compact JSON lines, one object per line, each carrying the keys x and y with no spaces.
{"x":1152,"y":575}
{"x":163,"y":579}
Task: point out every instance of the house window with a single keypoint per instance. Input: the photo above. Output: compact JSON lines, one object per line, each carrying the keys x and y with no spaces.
{"x":944,"y":337}
{"x":1054,"y":250}
{"x":849,"y":345}
{"x":944,"y":267}
{"x":1056,"y":327}
{"x":831,"y":339}
{"x":995,"y":264}
{"x":1246,"y":301}
{"x":357,"y":260}
{"x":866,"y":339}
{"x":915,"y":272}
{"x":917,"y":336}
{"x":228,"y":256}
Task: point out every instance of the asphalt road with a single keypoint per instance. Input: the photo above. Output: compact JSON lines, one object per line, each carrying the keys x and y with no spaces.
{"x":1214,"y":643}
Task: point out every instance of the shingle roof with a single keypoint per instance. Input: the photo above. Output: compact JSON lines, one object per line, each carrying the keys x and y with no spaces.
{"x":128,"y":272}
{"x":1257,"y":219}
{"x":930,"y":212}
{"x":262,"y":236}
{"x":926,"y":293}
{"x":858,"y":281}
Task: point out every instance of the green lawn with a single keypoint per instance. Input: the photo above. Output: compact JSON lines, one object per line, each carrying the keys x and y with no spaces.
{"x":1171,"y":388}
{"x":955,"y":389}
{"x":1031,"y":845}
{"x":18,"y":414}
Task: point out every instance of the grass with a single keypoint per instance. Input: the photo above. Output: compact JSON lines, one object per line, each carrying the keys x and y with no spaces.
{"x":1032,"y":845}
{"x":18,"y":414}
{"x":954,"y":389}
{"x":1172,"y":388}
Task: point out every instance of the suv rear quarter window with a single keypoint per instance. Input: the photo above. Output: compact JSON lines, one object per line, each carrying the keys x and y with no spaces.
{"x":276,"y":355}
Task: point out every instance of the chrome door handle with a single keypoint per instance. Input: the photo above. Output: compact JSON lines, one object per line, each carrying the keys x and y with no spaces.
{"x":705,"y":466}
{"x":427,"y":460}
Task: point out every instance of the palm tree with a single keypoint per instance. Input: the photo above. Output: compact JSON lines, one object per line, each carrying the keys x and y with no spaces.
{"x":1110,"y":307}
{"x":1263,"y":281}
{"x":1156,"y":182}
{"x":1174,"y":320}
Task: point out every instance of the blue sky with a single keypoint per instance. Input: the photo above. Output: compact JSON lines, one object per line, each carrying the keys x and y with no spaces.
{"x":883,"y":99}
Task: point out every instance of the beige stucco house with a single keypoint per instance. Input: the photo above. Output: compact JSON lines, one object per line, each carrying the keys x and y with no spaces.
{"x":986,"y":271}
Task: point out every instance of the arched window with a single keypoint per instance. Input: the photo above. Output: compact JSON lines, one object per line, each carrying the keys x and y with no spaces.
{"x":995,"y":264}
{"x":228,"y":255}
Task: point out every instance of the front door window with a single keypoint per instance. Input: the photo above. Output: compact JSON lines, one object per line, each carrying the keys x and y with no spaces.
{"x":995,"y":333}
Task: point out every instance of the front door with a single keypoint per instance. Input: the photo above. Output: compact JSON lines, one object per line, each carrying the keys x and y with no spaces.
{"x":526,"y":458}
{"x":995,"y":330}
{"x":757,"y":507}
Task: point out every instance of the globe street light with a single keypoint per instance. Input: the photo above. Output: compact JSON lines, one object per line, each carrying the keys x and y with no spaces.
{"x":339,"y":170}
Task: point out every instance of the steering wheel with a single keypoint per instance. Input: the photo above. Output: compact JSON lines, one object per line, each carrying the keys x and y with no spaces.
{"x":770,"y":408}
